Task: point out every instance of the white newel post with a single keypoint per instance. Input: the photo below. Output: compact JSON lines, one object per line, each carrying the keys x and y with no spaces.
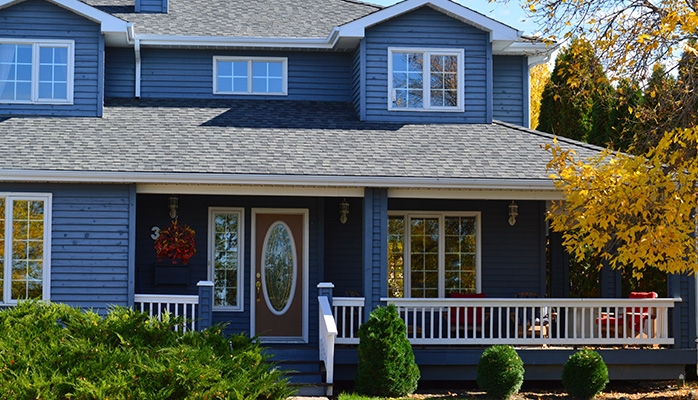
{"x":328,"y":331}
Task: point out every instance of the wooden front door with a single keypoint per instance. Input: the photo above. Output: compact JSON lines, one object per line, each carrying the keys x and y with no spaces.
{"x":279,"y":284}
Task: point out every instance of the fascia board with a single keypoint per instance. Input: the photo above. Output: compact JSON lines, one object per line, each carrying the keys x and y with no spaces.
{"x":108,"y":22}
{"x":525,"y":48}
{"x":211,"y":41}
{"x":498,"y":30}
{"x":279,"y":180}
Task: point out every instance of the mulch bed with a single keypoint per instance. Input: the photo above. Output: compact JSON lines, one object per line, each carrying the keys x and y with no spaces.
{"x":617,"y":390}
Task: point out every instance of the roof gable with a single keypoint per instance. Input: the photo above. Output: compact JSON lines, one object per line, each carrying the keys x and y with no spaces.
{"x":109,"y":24}
{"x":498,"y":31}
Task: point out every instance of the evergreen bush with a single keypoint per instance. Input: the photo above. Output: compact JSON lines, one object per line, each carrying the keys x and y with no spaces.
{"x":585,"y":374}
{"x":53,"y":351}
{"x":500,"y":372}
{"x":386,"y":361}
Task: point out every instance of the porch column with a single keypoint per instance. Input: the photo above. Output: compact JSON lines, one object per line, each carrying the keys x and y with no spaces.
{"x":609,"y":282}
{"x":205,"y":317}
{"x":375,"y":247}
{"x":559,"y":267}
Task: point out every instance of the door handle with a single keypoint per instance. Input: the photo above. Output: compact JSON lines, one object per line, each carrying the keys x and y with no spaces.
{"x":258,"y":284}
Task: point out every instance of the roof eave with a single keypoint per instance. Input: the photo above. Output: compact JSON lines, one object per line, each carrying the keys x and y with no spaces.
{"x":53,"y":176}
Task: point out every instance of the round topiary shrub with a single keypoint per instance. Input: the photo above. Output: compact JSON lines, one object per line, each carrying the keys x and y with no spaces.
{"x":500,"y":372}
{"x":386,"y":361}
{"x":585,"y":374}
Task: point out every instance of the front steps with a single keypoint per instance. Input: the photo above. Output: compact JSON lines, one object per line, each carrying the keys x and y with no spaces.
{"x":302,"y":368}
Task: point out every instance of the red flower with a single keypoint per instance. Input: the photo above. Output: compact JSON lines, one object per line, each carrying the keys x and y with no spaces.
{"x":176,"y":243}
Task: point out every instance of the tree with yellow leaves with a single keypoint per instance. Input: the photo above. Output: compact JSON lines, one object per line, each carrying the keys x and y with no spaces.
{"x":540,"y":75}
{"x":630,"y":210}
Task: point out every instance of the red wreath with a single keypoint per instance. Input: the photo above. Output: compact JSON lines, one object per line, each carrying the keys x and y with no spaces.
{"x":176,"y":243}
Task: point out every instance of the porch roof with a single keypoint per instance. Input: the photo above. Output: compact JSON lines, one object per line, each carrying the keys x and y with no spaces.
{"x":284,"y":139}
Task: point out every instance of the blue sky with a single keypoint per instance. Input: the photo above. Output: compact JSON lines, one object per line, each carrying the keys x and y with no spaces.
{"x":509,"y":12}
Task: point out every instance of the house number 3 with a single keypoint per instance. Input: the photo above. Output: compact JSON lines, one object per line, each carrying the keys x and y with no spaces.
{"x":156,"y":232}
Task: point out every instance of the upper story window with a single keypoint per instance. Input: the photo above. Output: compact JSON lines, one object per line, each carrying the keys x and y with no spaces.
{"x":425,"y":79}
{"x":250,"y":75}
{"x":36,"y":71}
{"x":24,"y":247}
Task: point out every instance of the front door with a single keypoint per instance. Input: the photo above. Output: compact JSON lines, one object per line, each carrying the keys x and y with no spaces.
{"x":279,"y":284}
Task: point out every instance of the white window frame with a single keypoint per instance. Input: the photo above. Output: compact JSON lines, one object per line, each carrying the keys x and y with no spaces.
{"x":426,"y":89}
{"x":212,"y":212}
{"x":441,"y":215}
{"x":36,"y":47}
{"x":10,"y":198}
{"x":250,"y":78}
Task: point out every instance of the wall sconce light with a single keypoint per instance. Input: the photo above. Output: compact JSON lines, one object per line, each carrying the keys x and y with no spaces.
{"x":513,"y":213}
{"x":343,"y":211}
{"x":174,"y":203}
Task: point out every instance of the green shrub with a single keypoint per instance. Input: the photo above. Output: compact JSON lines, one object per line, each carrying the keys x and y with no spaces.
{"x":585,"y":374}
{"x":53,"y":351}
{"x":500,"y":371}
{"x":386,"y":361}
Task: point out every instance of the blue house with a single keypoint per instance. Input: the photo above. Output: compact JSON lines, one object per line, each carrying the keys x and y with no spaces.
{"x":331,"y":156}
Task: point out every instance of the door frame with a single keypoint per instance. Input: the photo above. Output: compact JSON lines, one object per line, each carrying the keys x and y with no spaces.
{"x":304,"y":265}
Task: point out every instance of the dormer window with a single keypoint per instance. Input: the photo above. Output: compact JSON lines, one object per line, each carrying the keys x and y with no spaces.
{"x":425,"y":79}
{"x":36,"y":71}
{"x":250,"y":75}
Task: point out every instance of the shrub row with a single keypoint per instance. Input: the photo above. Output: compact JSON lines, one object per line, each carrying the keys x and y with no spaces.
{"x":500,"y":373}
{"x":53,"y":351}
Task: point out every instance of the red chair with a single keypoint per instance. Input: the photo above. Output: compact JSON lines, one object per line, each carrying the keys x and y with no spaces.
{"x":458,"y":314}
{"x":634,"y":319}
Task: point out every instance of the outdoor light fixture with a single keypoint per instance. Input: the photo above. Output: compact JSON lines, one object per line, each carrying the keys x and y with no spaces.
{"x":343,"y":211}
{"x":513,"y":213}
{"x":174,"y":203}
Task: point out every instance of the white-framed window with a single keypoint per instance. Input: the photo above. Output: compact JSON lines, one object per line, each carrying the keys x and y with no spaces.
{"x":36,"y":71}
{"x":431,"y":255}
{"x":425,"y":79}
{"x":25,"y":246}
{"x":225,"y":259}
{"x":250,"y":75}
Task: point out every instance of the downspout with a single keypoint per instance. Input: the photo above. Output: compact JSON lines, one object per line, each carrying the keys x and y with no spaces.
{"x":137,"y":52}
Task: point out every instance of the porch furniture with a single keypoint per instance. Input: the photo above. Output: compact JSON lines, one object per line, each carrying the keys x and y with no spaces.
{"x":632,"y":321}
{"x":529,"y":322}
{"x":467,"y":318}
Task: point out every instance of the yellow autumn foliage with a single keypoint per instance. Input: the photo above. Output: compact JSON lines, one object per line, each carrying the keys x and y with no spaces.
{"x":635,"y":211}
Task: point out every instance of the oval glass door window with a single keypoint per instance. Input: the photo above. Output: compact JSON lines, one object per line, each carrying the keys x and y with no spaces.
{"x":279,"y":267}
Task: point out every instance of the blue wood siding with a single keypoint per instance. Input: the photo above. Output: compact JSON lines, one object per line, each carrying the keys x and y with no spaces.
{"x":357,"y":79}
{"x":375,"y":247}
{"x":120,"y":71}
{"x":507,"y":251}
{"x":510,"y":85}
{"x":89,"y":243}
{"x":36,"y":19}
{"x":170,"y":73}
{"x":426,"y":27}
{"x":683,"y":324}
{"x":343,"y":247}
{"x":151,"y":6}
{"x":193,"y":211}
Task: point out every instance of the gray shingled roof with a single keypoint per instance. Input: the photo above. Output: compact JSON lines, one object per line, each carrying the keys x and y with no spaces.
{"x":270,"y":138}
{"x":251,"y":18}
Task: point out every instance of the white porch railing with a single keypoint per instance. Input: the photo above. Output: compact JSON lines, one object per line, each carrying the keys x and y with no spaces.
{"x":564,"y":322}
{"x":177,"y":305}
{"x":348,"y":313}
{"x":328,"y":333}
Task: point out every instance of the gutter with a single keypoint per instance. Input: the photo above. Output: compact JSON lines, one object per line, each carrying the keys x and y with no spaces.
{"x":275,"y":180}
{"x":137,"y":53}
{"x":245,"y":42}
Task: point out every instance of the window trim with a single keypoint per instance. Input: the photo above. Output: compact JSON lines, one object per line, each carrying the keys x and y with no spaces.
{"x":47,"y":198}
{"x":212,"y":212}
{"x":37,"y":44}
{"x":441,"y":215}
{"x":249,"y":61}
{"x":427,"y":53}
